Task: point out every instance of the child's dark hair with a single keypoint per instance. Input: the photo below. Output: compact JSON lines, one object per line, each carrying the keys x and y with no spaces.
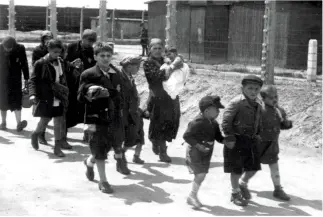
{"x":102,"y":47}
{"x":55,"y":43}
{"x":266,"y":89}
{"x":170,"y":49}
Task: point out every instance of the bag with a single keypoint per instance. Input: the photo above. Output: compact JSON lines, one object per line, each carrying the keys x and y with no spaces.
{"x":26,"y":103}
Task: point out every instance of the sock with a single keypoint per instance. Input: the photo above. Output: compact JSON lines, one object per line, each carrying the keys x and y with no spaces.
{"x":235,"y":190}
{"x":195,"y":189}
{"x":275,"y":176}
{"x":89,"y":162}
{"x":243,"y":183}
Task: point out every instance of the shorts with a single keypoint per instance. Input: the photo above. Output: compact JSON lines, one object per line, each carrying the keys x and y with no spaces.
{"x":197,"y":161}
{"x":134,"y":134}
{"x":100,"y":142}
{"x":268,"y":152}
{"x":243,"y":157}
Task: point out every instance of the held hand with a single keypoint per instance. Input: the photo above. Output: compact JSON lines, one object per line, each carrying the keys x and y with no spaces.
{"x":229,"y":145}
{"x":202,"y":148}
{"x":77,"y":63}
{"x":33,"y":99}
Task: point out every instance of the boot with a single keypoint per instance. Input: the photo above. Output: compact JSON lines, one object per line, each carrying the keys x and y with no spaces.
{"x":281,"y":194}
{"x":3,"y":126}
{"x":34,"y":140}
{"x":42,"y":139}
{"x":22,"y":125}
{"x":163,"y":157}
{"x":105,"y":187}
{"x":136,"y":159}
{"x":57,"y":149}
{"x":155,"y":149}
{"x":245,"y":192}
{"x":122,"y":167}
{"x":238,"y":199}
{"x":65,"y":145}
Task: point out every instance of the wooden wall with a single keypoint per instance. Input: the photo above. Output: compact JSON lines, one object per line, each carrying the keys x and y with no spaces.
{"x":157,"y":21}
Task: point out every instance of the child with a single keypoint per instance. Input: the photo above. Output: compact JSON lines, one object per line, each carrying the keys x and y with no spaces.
{"x":177,"y":72}
{"x":241,"y":127}
{"x":273,"y":120}
{"x":200,"y":136}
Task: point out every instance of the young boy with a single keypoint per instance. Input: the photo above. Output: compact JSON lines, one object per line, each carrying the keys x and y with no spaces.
{"x":107,"y":129}
{"x":200,"y":136}
{"x":273,"y":119}
{"x":241,"y":127}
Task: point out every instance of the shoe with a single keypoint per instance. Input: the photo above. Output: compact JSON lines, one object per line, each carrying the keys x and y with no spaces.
{"x":57,"y":149}
{"x":136,"y":159}
{"x":65,"y":145}
{"x":122,"y":167}
{"x":89,"y":171}
{"x":281,"y":194}
{"x":155,"y":149}
{"x":105,"y":187}
{"x":21,"y":125}
{"x":245,"y":192}
{"x":3,"y":126}
{"x":34,"y":140}
{"x":194,"y":201}
{"x":163,"y":157}
{"x":238,"y":199}
{"x":42,"y":139}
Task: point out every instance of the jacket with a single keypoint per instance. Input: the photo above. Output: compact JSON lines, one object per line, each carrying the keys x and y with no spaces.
{"x":75,"y":51}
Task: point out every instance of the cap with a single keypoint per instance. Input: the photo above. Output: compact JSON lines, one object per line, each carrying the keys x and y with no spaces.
{"x":132,"y":60}
{"x":90,"y":35}
{"x":47,"y":34}
{"x":209,"y":101}
{"x":252,"y":79}
{"x":9,"y":42}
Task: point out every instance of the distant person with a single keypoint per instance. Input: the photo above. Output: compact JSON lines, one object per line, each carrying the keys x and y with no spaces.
{"x":200,"y":136}
{"x":144,"y":39}
{"x":81,"y":55}
{"x":13,"y":61}
{"x":48,"y":90}
{"x":274,"y":119}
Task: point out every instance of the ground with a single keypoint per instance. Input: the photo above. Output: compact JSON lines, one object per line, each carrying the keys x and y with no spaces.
{"x":38,"y":183}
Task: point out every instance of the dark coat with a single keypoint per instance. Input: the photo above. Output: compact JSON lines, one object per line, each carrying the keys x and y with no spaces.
{"x":144,"y":36}
{"x":94,"y":76}
{"x":39,"y":52}
{"x":11,"y":66}
{"x":75,"y":51}
{"x":40,"y":86}
{"x":164,"y":111}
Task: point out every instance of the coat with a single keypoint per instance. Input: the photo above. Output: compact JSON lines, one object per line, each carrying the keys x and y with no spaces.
{"x":11,"y":66}
{"x":40,"y":86}
{"x":144,"y":36}
{"x":75,"y":50}
{"x":164,"y":111}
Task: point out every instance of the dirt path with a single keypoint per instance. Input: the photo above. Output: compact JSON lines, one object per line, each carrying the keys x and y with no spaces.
{"x":38,"y":183}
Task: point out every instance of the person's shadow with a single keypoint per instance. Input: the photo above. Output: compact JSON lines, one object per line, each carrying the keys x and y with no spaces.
{"x":146,"y":190}
{"x":181,"y":162}
{"x":5,"y":141}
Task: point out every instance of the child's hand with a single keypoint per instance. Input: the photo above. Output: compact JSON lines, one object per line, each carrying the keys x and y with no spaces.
{"x":229,"y":144}
{"x":202,"y":148}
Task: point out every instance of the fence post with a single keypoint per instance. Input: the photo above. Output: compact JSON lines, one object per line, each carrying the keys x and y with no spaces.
{"x":103,"y":20}
{"x":268,"y":51}
{"x":312,"y":60}
{"x":47,"y":17}
{"x":53,"y":18}
{"x":113,"y":25}
{"x":81,"y":22}
{"x":11,"y":25}
{"x":121,"y":33}
{"x":143,"y":16}
{"x":171,"y":23}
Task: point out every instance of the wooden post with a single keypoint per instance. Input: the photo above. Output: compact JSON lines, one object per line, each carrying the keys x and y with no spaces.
{"x":121,"y":33}
{"x":312,"y":60}
{"x":171,"y":23}
{"x":268,"y":46}
{"x":113,"y":25}
{"x":81,"y":22}
{"x":53,"y":18}
{"x":11,"y":25}
{"x":143,"y":16}
{"x":103,"y":20}
{"x":47,"y":17}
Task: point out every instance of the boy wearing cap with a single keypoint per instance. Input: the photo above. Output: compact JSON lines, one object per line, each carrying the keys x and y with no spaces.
{"x":200,"y":136}
{"x":132,"y":114}
{"x":106,"y":129}
{"x":241,"y":128}
{"x":274,"y":119}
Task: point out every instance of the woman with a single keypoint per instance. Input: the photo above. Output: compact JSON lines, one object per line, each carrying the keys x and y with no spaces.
{"x":164,"y":111}
{"x":13,"y":61}
{"x":48,"y":90}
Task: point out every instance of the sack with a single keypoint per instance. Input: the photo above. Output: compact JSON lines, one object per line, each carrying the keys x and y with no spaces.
{"x":26,"y":103}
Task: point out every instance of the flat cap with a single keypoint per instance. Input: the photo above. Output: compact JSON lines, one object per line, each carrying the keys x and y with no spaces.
{"x":252,"y":79}
{"x":209,"y":101}
{"x":131,"y":60}
{"x":90,"y":35}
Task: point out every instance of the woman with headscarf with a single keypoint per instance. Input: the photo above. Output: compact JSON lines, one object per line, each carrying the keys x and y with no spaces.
{"x":13,"y":61}
{"x":164,"y":111}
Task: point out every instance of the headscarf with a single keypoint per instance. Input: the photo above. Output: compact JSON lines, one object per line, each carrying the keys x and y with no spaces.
{"x":9,"y":42}
{"x":154,"y":41}
{"x":130,"y":60}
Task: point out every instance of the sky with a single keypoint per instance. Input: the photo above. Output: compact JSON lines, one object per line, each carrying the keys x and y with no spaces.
{"x":111,"y":4}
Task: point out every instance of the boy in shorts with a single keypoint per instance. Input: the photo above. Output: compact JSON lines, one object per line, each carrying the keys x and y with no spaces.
{"x":200,"y":136}
{"x":273,"y":120}
{"x":241,"y":128}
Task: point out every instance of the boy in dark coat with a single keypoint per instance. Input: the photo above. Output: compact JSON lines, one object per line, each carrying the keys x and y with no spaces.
{"x":200,"y":136}
{"x":48,"y":90}
{"x":132,"y":115}
{"x":104,"y":134}
{"x":241,"y":127}
{"x":274,"y":119}
{"x":13,"y":61}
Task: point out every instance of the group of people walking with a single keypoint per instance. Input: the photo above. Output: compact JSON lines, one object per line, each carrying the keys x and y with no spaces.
{"x":78,"y":84}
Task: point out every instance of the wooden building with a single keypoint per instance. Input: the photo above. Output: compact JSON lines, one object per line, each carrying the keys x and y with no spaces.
{"x":216,"y":32}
